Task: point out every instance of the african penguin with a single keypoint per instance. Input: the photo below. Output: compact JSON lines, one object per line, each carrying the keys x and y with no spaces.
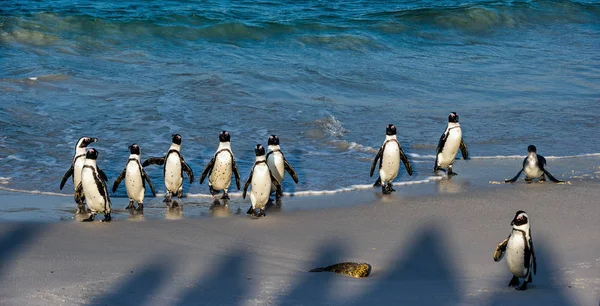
{"x":261,"y":179}
{"x":135,"y":179}
{"x":278,"y":164}
{"x":533,"y":165}
{"x":174,"y":166}
{"x":93,"y":187}
{"x":75,"y":169}
{"x":389,"y":156}
{"x":450,"y":141}
{"x":220,"y":168}
{"x":520,"y":254}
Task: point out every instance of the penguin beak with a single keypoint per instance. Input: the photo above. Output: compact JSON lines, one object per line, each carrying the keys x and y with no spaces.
{"x":94,"y":139}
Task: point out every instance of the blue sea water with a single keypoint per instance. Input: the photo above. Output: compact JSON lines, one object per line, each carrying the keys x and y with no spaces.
{"x":326,"y":76}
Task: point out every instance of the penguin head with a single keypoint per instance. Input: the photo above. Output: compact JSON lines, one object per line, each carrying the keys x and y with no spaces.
{"x":520,"y":218}
{"x":453,"y":117}
{"x":390,"y":130}
{"x":85,"y":141}
{"x":224,"y":136}
{"x":176,"y":139}
{"x":91,"y":154}
{"x":273,"y":140}
{"x":259,"y":150}
{"x":134,"y":149}
{"x":531,"y":149}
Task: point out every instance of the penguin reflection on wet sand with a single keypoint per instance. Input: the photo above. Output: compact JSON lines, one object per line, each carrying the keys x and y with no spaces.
{"x":261,"y":179}
{"x":533,"y":166}
{"x":174,"y":166}
{"x":520,"y":254}
{"x":75,"y":169}
{"x":278,"y":164}
{"x":389,"y":156}
{"x":94,"y":189}
{"x":221,"y":167}
{"x":135,"y":179}
{"x":450,"y":142}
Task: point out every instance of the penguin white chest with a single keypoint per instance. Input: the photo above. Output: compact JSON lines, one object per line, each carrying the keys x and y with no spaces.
{"x":531,"y":168}
{"x":450,"y":149}
{"x":134,"y":182}
{"x":77,"y":167}
{"x":275,"y":162}
{"x":390,"y":162}
{"x":261,"y":186}
{"x":220,"y":176}
{"x":94,"y":191}
{"x":173,"y":177}
{"x":515,"y":254}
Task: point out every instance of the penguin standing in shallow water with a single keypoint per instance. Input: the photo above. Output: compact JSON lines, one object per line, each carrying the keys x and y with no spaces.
{"x":533,"y":165}
{"x":278,"y":164}
{"x":518,"y":247}
{"x":261,"y":179}
{"x":174,"y":166}
{"x":220,"y":168}
{"x":93,"y":187}
{"x":75,"y":169}
{"x":450,"y":142}
{"x":389,"y":156}
{"x":135,"y":179}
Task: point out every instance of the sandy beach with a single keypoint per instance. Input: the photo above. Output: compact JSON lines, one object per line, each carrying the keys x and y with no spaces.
{"x":424,"y":250}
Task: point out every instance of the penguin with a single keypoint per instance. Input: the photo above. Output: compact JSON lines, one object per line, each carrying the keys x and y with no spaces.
{"x":277,"y":163}
{"x":533,"y":165}
{"x":75,"y":169}
{"x":93,"y":187}
{"x":135,"y":179}
{"x":220,"y":168}
{"x":261,"y":179}
{"x":520,"y":254}
{"x":389,"y":156}
{"x":174,"y":166}
{"x":450,"y":142}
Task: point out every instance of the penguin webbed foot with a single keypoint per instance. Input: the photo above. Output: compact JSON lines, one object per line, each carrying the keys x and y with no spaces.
{"x":130,"y":206}
{"x":522,"y":287}
{"x":543,"y":178}
{"x":89,"y":219}
{"x":140,"y":207}
{"x":225,"y":196}
{"x":514,"y":281}
{"x":107,"y":218}
{"x":387,"y":188}
{"x":250,"y":210}
{"x":377,"y":182}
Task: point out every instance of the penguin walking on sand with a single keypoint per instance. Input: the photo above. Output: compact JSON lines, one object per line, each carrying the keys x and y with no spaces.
{"x":278,"y":164}
{"x":261,"y":179}
{"x":75,"y":169}
{"x":220,"y":168}
{"x":520,"y":254}
{"x":389,"y":156}
{"x":93,"y":187}
{"x":174,"y":166}
{"x":533,"y":166}
{"x":450,"y":142}
{"x":135,"y":179}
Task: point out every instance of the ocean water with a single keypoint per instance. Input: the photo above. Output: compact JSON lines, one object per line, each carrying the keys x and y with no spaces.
{"x":325,"y":76}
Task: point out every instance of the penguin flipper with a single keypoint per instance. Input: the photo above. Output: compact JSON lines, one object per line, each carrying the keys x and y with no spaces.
{"x":463,"y":149}
{"x":405,"y":161}
{"x":188,"y":171}
{"x":236,"y":172}
{"x":66,"y":177}
{"x":248,"y":181}
{"x":552,"y":178}
{"x":532,"y":254}
{"x":500,"y":249}
{"x":441,"y":143}
{"x":147,"y":178}
{"x":278,"y":189}
{"x":207,"y":169}
{"x":102,"y":175}
{"x":118,"y":180}
{"x":289,"y":169}
{"x":377,"y":157}
{"x":512,"y":180}
{"x":154,"y":161}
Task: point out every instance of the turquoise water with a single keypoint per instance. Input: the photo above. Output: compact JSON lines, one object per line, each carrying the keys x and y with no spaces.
{"x":325,"y":76}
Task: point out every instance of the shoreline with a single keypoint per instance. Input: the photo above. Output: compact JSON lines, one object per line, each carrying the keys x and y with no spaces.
{"x":429,"y":250}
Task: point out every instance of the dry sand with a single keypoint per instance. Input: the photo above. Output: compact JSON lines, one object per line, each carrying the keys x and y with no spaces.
{"x":427,"y":250}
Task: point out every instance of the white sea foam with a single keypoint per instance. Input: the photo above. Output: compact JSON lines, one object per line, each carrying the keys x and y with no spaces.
{"x":36,"y":192}
{"x":4,"y":180}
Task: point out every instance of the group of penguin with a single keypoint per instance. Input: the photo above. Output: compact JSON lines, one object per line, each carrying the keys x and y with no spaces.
{"x":89,"y":180}
{"x":268,"y":172}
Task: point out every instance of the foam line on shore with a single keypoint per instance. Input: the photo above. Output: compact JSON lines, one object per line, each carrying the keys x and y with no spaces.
{"x":36,"y":192}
